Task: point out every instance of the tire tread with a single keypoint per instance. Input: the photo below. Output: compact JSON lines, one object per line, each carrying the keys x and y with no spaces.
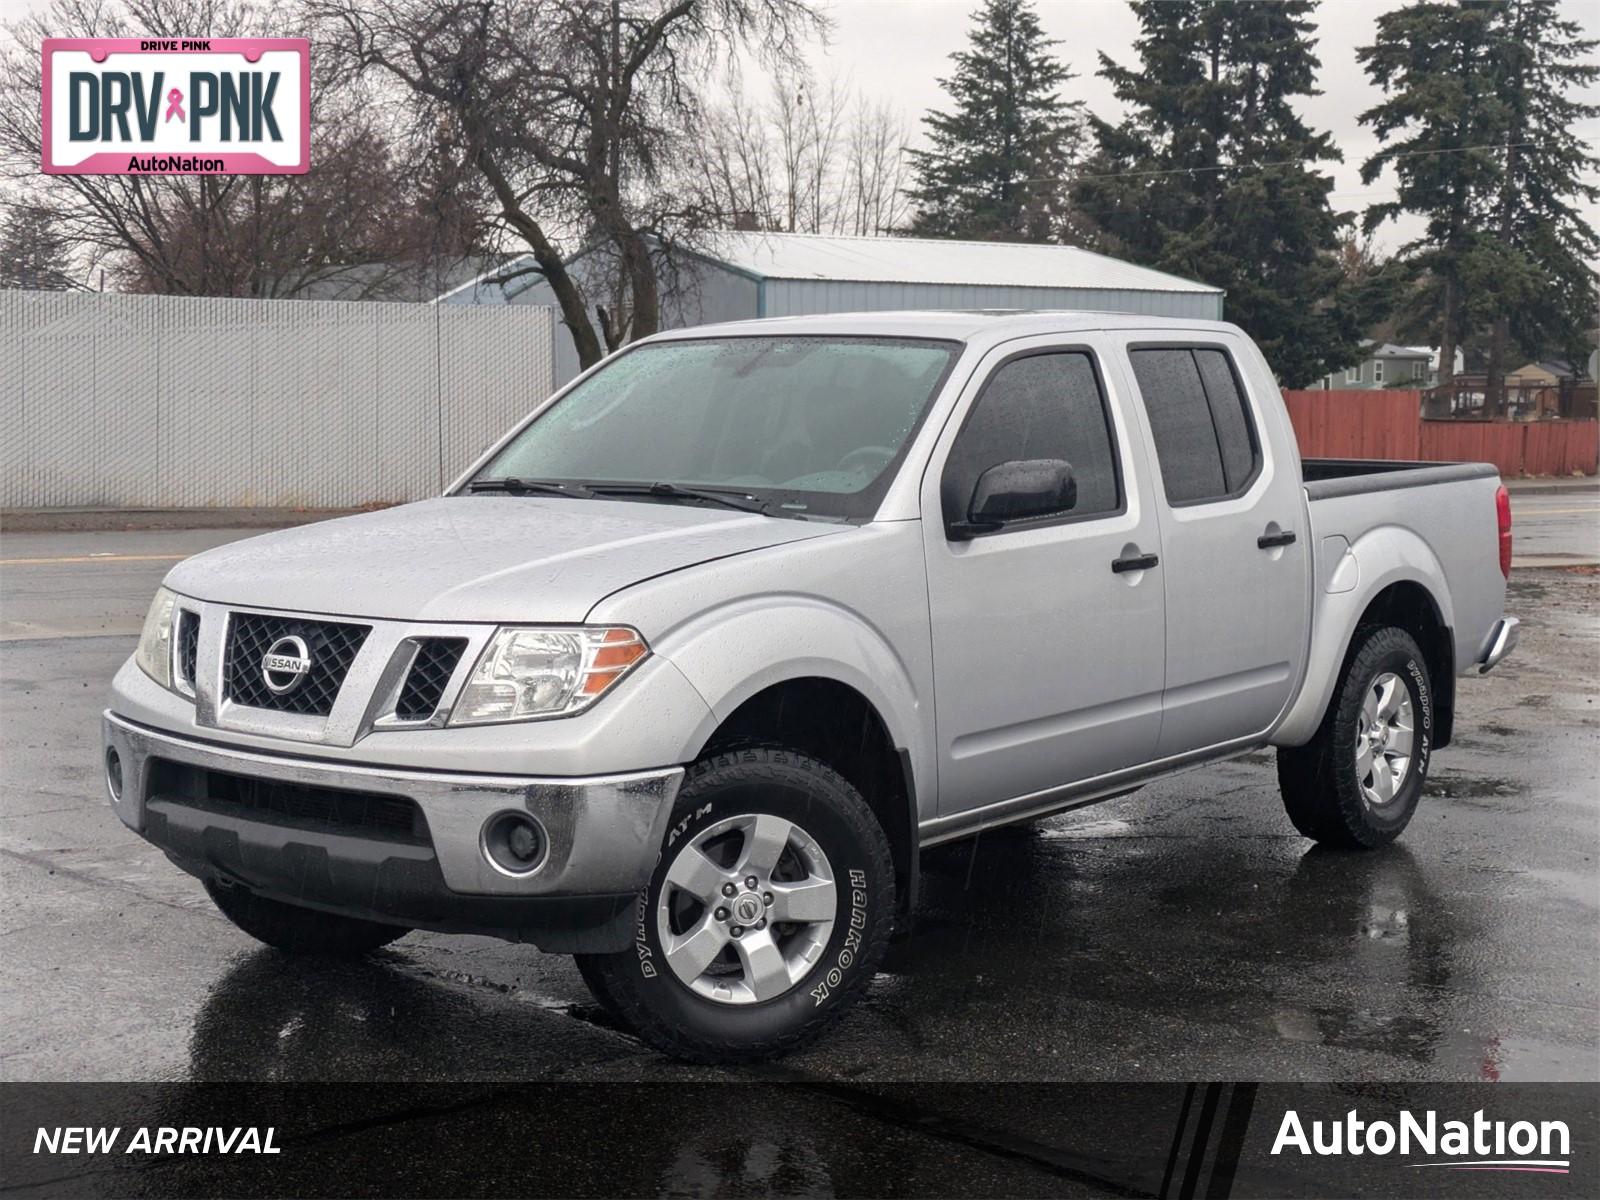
{"x":611,"y":978}
{"x":1322,"y":800}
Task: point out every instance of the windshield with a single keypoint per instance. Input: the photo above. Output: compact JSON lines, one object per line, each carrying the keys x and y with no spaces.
{"x":812,"y":424}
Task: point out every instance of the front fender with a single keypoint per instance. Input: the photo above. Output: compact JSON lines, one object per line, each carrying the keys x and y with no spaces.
{"x":732,"y":651}
{"x":1383,"y":556}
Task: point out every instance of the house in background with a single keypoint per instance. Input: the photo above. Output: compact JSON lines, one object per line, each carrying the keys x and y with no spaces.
{"x":736,"y":276}
{"x":1548,"y":372}
{"x":1386,"y":365}
{"x":1550,"y":388}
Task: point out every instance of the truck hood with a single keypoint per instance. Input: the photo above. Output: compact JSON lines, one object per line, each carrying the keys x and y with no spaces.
{"x":477,"y":558}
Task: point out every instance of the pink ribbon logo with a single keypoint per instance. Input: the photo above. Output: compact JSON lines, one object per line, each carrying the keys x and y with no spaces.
{"x":175,"y":105}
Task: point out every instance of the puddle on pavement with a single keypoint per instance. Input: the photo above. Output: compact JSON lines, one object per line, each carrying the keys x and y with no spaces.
{"x":1457,"y":787}
{"x":1523,"y":1060}
{"x":1575,"y":702}
{"x":1105,"y":828}
{"x":1386,"y":924}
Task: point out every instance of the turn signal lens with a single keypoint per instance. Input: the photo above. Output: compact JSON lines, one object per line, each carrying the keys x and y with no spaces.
{"x":530,"y":672}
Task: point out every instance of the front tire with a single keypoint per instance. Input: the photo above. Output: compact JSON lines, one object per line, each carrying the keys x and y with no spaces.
{"x":727,"y":970}
{"x":296,"y":930}
{"x":1357,"y":782}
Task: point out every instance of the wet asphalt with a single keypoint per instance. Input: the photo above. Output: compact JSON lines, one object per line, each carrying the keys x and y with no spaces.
{"x":1185,"y":932}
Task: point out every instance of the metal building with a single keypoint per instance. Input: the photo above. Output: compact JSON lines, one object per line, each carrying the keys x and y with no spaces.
{"x":730,"y":276}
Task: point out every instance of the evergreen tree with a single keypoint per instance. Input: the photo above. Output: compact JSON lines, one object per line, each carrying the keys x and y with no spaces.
{"x":996,"y":164}
{"x":1545,"y":242}
{"x":1438,"y":126}
{"x":1479,"y":125}
{"x":33,"y":255}
{"x":1213,"y":175}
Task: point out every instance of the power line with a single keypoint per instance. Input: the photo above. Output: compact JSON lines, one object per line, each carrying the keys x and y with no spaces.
{"x":1287,"y":162}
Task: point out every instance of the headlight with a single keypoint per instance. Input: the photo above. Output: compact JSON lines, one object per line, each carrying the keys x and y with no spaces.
{"x":525,"y":673}
{"x":154,"y":654}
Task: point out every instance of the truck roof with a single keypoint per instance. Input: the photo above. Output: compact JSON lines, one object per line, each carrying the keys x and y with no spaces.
{"x":994,"y":324}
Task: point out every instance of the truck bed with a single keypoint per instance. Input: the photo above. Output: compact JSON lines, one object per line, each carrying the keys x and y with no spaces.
{"x":1326,"y":478}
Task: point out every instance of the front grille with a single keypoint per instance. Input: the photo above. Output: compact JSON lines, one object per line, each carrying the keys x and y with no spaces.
{"x":331,"y":646}
{"x":430,"y":671}
{"x":188,"y":644}
{"x":290,"y":805}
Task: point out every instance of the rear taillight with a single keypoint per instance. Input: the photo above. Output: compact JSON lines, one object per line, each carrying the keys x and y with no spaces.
{"x":1502,"y":512}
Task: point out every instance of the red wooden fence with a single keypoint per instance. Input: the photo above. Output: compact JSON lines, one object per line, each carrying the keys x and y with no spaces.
{"x":1389,"y":424}
{"x":1354,"y":424}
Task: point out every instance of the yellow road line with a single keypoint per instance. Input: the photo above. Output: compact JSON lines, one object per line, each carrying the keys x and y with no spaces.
{"x":1558,"y":512}
{"x":92,"y":558}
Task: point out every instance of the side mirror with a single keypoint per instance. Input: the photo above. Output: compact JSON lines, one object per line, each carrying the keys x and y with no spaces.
{"x":1017,"y":491}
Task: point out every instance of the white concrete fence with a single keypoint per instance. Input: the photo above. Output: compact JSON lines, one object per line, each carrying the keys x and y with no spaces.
{"x":171,"y":401}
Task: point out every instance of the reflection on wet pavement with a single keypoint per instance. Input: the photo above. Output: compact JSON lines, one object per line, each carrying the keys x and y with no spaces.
{"x":1181,"y":932}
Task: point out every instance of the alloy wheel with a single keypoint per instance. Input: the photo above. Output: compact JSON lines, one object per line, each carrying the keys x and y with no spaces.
{"x":1385,"y":734}
{"x":746,"y":908}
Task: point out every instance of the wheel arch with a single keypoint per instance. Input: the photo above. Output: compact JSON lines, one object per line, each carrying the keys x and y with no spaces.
{"x":1401,"y":583}
{"x":838,"y":725}
{"x":1408,"y":605}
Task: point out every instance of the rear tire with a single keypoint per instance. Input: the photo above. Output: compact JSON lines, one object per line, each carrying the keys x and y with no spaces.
{"x":296,"y":930}
{"x":694,"y":988}
{"x":1357,"y":782}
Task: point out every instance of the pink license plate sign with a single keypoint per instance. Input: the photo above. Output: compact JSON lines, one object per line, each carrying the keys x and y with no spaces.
{"x":177,"y":106}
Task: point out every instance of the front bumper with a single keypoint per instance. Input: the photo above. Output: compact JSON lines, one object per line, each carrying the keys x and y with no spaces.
{"x":602,"y":837}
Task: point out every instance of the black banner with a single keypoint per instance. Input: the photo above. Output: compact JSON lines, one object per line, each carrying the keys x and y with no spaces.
{"x":799,"y":1138}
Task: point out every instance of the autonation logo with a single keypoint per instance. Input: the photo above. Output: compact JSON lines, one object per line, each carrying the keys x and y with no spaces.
{"x":1476,"y":1145}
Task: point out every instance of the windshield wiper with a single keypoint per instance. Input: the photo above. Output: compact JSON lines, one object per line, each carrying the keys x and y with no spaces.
{"x":672,"y":491}
{"x":528,"y":487}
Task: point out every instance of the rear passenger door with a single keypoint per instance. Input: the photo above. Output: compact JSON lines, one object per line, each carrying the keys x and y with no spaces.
{"x":1233,"y":552}
{"x":1047,"y":657}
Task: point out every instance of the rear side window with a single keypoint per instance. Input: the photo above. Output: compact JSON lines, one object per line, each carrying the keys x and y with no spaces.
{"x":1039,"y":406}
{"x":1199,"y":421}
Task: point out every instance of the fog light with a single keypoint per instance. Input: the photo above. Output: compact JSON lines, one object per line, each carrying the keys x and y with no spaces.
{"x":114,"y":772}
{"x":513,"y":843}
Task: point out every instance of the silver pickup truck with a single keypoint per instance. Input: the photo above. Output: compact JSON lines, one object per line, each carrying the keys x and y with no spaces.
{"x":684,"y":672}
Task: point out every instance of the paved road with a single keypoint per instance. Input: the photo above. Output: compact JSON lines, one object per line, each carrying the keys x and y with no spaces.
{"x":1553,"y":530}
{"x":1184,"y":932}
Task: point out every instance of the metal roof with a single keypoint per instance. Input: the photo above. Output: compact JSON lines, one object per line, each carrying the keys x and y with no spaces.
{"x":1390,"y":350}
{"x":819,"y":257}
{"x":936,"y":261}
{"x":944,"y":323}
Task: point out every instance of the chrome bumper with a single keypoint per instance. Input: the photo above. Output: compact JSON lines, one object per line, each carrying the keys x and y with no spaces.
{"x":602,"y":834}
{"x":1502,"y":641}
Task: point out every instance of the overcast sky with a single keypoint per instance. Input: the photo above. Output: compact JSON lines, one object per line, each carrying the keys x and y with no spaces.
{"x":898,"y":49}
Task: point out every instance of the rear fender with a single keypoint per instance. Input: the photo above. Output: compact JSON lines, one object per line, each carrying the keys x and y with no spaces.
{"x":1383,"y":556}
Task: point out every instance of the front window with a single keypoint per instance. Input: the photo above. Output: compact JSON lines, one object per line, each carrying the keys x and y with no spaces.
{"x":812,"y":425}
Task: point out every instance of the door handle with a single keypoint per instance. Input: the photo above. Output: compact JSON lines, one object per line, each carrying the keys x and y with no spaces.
{"x":1268,"y":541}
{"x":1138,"y":562}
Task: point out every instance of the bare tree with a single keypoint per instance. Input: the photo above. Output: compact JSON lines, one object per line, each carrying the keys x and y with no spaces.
{"x":808,"y":160}
{"x":358,"y":217}
{"x":734,"y":175}
{"x":875,"y":169}
{"x":572,"y":111}
{"x":808,"y":123}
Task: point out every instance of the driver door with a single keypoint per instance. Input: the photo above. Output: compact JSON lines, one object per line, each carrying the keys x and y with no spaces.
{"x":1048,"y":648}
